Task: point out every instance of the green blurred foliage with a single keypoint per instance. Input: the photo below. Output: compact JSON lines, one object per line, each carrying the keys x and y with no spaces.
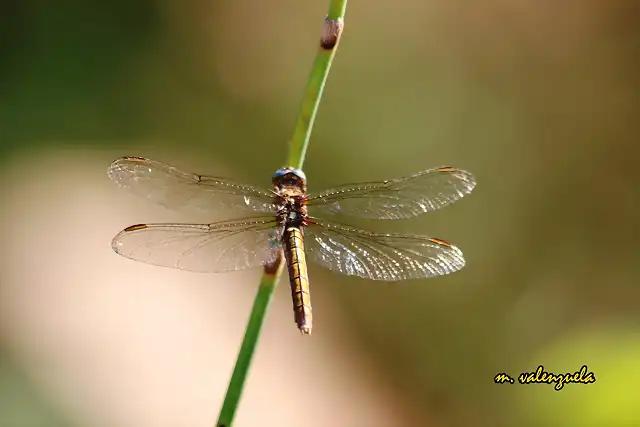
{"x":538,"y":99}
{"x":20,"y":404}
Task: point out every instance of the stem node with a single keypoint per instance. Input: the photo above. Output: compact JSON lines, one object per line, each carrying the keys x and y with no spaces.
{"x":331,"y":32}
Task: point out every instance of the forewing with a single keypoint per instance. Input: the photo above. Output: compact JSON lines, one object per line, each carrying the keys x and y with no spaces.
{"x":177,"y":189}
{"x":400,"y":198}
{"x":207,"y":248}
{"x":375,"y":256}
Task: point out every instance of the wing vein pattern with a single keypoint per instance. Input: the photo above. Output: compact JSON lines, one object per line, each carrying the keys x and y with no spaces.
{"x":379,"y":256}
{"x":176,"y":189}
{"x":210,"y":248}
{"x":400,"y":198}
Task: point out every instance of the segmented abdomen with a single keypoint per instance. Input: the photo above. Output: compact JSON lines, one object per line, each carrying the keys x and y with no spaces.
{"x":298,"y":278}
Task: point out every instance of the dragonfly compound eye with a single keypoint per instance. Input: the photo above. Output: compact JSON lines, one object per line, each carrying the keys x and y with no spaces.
{"x":289,"y":176}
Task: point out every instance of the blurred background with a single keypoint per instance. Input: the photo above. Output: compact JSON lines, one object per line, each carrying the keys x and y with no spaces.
{"x":539,"y":99}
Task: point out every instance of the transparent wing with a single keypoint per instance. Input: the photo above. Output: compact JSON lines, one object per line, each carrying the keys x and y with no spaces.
{"x":208,"y":248}
{"x":175,"y":189}
{"x":389,"y":257}
{"x":399,"y":198}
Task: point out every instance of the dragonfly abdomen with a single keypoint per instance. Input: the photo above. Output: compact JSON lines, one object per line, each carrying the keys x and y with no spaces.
{"x":298,"y":279}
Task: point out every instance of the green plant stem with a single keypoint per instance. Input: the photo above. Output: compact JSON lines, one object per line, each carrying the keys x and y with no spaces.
{"x":332,"y":30}
{"x":315,"y":87}
{"x":260,"y":305}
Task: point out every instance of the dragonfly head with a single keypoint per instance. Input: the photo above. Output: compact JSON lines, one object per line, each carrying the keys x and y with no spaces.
{"x":290,"y":177}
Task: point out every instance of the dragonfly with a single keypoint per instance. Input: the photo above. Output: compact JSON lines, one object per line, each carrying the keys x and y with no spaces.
{"x":279,"y":220}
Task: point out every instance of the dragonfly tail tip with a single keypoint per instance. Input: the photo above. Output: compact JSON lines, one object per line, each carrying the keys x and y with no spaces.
{"x":305,"y":330}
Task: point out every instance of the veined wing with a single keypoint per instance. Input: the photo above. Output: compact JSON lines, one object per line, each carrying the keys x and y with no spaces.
{"x":375,"y":256}
{"x":177,"y":189}
{"x":399,"y":198}
{"x":207,"y":248}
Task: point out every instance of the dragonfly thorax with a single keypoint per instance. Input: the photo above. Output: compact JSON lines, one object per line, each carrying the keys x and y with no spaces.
{"x":293,"y":216}
{"x":291,"y":207}
{"x":290,"y":196}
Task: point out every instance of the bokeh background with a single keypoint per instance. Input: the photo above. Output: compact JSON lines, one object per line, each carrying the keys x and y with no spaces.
{"x":539,"y":99}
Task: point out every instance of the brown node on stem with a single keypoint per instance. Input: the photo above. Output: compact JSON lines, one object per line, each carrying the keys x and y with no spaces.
{"x":331,"y":32}
{"x":272,"y":267}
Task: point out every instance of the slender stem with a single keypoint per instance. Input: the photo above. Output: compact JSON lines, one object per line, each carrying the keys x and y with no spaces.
{"x":260,"y":305}
{"x":331,"y":32}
